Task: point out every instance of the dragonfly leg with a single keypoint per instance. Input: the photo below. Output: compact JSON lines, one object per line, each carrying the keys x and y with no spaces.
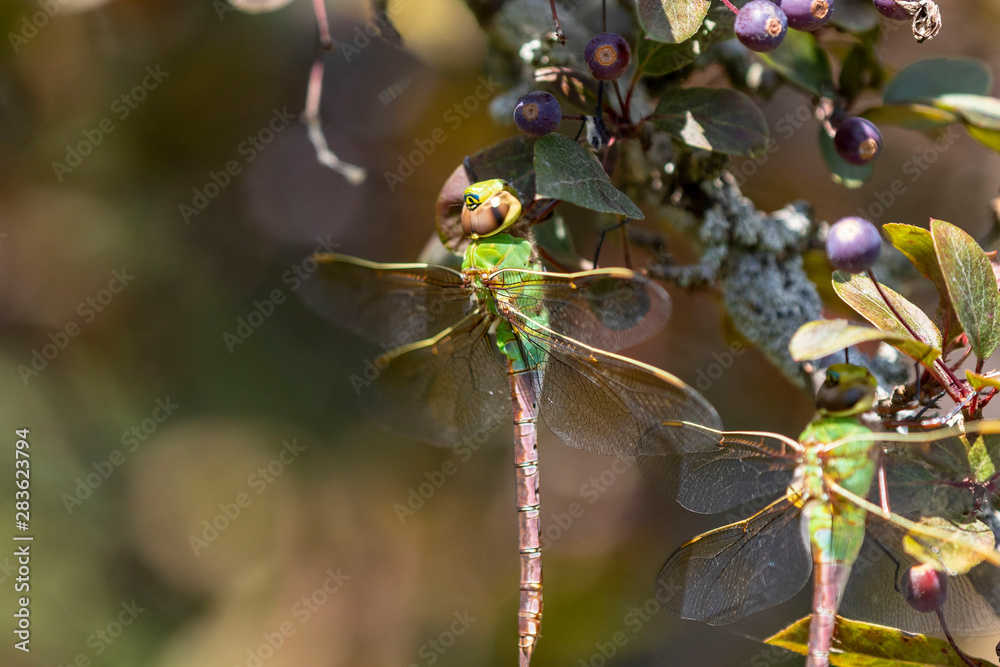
{"x":600,"y":240}
{"x":523,"y":390}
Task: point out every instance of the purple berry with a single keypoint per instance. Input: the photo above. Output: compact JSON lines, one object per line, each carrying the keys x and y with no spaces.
{"x":853,"y":244}
{"x":761,"y":26}
{"x":890,"y":10}
{"x":607,"y":56}
{"x":924,"y":588}
{"x":807,"y":15}
{"x":537,"y":113}
{"x":858,"y":140}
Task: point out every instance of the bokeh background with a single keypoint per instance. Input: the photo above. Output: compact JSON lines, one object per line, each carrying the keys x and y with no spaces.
{"x":318,"y":568}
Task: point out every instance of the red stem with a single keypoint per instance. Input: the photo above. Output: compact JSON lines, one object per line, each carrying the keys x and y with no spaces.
{"x":954,"y":381}
{"x":732,"y":8}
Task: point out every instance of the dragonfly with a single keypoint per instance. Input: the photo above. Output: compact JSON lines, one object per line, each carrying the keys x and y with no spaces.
{"x":463,"y":348}
{"x":816,"y":518}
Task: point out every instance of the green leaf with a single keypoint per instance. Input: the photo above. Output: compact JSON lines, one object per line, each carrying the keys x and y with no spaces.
{"x":860,"y":293}
{"x":977,"y":110}
{"x":510,"y":159}
{"x":988,"y":138}
{"x":929,"y":79}
{"x":716,"y":119}
{"x":952,"y":556}
{"x":802,"y":61}
{"x":659,"y":58}
{"x":820,"y":338}
{"x":841,"y":171}
{"x":983,"y":455}
{"x":918,"y":117}
{"x":672,"y":21}
{"x":972,"y":287}
{"x":918,"y":246}
{"x":980,"y":382}
{"x":564,"y":170}
{"x":858,"y":644}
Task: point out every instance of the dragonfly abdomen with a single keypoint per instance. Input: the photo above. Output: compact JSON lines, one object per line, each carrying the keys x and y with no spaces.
{"x":829,"y":579}
{"x":524,"y":400}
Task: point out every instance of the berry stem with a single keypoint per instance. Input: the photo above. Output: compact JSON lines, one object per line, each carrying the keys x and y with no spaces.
{"x":944,"y":627}
{"x":555,"y":17}
{"x":622,"y":105}
{"x":732,"y":8}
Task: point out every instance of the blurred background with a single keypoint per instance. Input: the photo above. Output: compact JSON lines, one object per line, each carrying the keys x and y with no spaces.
{"x":206,"y":493}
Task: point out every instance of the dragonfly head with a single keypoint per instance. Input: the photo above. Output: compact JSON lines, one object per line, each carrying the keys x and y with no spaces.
{"x":848,"y":390}
{"x":489,"y":207}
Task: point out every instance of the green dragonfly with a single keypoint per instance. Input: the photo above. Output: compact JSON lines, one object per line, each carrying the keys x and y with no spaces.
{"x":817,"y":518}
{"x":467,"y":347}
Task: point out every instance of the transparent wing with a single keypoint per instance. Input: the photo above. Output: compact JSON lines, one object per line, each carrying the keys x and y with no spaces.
{"x":602,"y":402}
{"x":734,"y":571}
{"x":930,"y":473}
{"x":873,"y":590}
{"x":609,"y":309}
{"x":448,"y":390}
{"x":389,"y":304}
{"x":710,"y":471}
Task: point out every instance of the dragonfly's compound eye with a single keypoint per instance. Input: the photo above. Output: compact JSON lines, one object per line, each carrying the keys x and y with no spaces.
{"x":848,"y":390}
{"x":618,"y":304}
{"x":487,"y":218}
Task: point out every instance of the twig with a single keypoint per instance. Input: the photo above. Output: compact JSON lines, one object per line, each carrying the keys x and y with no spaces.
{"x":354,"y":175}
{"x":323,"y":24}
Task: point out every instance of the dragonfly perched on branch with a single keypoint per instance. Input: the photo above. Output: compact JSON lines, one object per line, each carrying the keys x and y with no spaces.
{"x":817,"y":518}
{"x":501,"y":335}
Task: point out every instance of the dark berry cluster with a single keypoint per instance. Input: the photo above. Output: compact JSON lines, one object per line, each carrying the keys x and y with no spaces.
{"x":607,"y":56}
{"x":761,"y":24}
